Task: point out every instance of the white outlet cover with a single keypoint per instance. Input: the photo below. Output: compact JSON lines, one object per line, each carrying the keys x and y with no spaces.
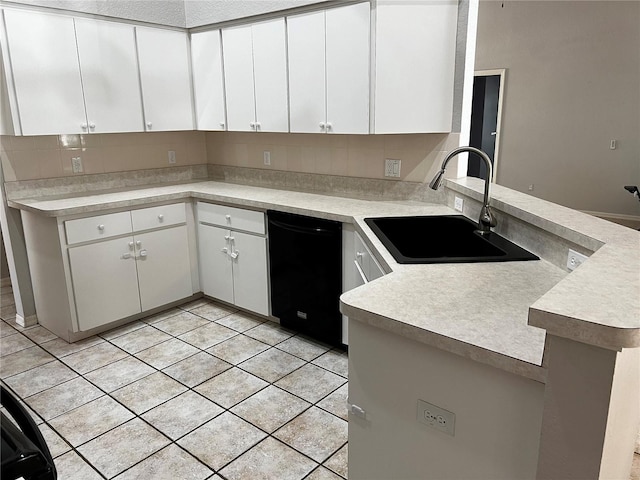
{"x":172,"y":156}
{"x":436,"y":417}
{"x":457,"y":203}
{"x":267,"y":157}
{"x":575,"y":259}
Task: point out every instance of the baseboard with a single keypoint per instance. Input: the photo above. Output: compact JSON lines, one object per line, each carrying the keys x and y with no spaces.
{"x":29,"y":321}
{"x":631,"y":221}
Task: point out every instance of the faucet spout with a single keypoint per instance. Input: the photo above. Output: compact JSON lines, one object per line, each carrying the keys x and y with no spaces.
{"x":487,"y":219}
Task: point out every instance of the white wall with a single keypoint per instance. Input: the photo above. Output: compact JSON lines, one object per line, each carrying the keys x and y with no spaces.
{"x":573,"y":76}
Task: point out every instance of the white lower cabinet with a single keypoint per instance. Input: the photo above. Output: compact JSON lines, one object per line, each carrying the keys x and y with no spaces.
{"x":120,"y":277}
{"x":90,"y":273}
{"x":233,"y":264}
{"x":105,"y":282}
{"x":164,"y":270}
{"x":359,"y":266}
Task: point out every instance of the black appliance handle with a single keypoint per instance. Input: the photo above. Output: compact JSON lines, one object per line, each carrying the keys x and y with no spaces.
{"x":300,"y":229}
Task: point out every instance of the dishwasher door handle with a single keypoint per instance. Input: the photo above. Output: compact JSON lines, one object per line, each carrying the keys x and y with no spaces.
{"x":299,"y":229}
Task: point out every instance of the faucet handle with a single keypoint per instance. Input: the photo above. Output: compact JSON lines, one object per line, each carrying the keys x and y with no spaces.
{"x":487,"y":220}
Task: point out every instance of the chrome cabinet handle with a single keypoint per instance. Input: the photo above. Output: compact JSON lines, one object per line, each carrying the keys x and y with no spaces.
{"x":101,"y":227}
{"x":143,"y":253}
{"x":125,"y":256}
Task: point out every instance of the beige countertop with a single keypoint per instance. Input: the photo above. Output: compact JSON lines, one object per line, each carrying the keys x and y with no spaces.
{"x":489,"y":312}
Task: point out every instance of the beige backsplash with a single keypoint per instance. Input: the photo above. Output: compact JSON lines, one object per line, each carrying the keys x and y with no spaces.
{"x":340,"y":155}
{"x":38,"y":157}
{"x":41,"y":157}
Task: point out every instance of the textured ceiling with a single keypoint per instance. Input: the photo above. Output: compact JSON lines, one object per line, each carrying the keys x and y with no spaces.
{"x":175,"y":13}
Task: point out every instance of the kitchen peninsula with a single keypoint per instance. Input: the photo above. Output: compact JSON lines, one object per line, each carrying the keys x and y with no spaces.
{"x":469,"y":338}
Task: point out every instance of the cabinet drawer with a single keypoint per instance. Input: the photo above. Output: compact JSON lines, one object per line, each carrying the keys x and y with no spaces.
{"x":230,"y":217}
{"x":154,"y":217}
{"x":100,"y":226}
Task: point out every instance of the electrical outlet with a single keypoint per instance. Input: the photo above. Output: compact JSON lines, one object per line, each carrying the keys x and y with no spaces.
{"x":172,"y":156}
{"x":436,"y":417}
{"x":391,"y":168}
{"x":267,"y":157}
{"x":76,"y":164}
{"x":574,"y":260}
{"x":457,"y":203}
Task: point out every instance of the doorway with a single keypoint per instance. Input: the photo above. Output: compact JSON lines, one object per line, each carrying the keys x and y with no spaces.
{"x":488,"y":87}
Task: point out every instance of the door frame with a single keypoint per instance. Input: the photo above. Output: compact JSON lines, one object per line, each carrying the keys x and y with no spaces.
{"x":503,"y":76}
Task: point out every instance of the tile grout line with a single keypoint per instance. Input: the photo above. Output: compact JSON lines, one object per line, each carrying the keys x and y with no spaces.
{"x":191,"y":388}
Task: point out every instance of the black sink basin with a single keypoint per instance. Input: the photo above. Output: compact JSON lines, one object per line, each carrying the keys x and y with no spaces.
{"x":443,"y":239}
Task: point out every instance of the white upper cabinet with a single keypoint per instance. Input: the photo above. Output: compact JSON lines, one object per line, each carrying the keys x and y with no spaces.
{"x":329,"y":70}
{"x":270,"y":75}
{"x":206,"y":61}
{"x":238,"y":73}
{"x":255,"y":69}
{"x":46,"y":73}
{"x":163,"y":57}
{"x":414,"y":65}
{"x":348,"y":53}
{"x":307,"y":92}
{"x":109,"y":70}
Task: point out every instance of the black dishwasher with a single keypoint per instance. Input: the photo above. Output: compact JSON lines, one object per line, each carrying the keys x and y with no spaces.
{"x":305,"y":257}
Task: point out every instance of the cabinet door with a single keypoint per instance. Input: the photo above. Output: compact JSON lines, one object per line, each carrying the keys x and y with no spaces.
{"x":164,"y":268}
{"x":109,"y":70}
{"x":238,"y":76}
{"x":348,"y":69}
{"x":216,"y":274}
{"x":164,"y":74}
{"x":206,"y":60}
{"x":105,"y":282}
{"x":415,"y":63}
{"x":307,"y":95}
{"x":250,"y":284}
{"x":46,"y":73}
{"x":270,"y":76}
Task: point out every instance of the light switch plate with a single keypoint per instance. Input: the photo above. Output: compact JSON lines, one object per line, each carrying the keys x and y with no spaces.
{"x":391,"y":168}
{"x":76,"y":164}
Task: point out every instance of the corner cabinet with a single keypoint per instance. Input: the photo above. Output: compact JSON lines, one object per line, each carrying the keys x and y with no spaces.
{"x":359,"y":267}
{"x":255,"y":70}
{"x":91,"y":272}
{"x":208,"y":86}
{"x":232,"y":248}
{"x":329,"y":70}
{"x":163,"y":56}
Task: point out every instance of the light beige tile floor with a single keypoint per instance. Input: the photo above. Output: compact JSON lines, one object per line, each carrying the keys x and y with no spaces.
{"x":201,"y":392}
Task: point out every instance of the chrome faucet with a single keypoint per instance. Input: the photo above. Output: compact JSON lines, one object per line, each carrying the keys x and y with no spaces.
{"x":487,"y":220}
